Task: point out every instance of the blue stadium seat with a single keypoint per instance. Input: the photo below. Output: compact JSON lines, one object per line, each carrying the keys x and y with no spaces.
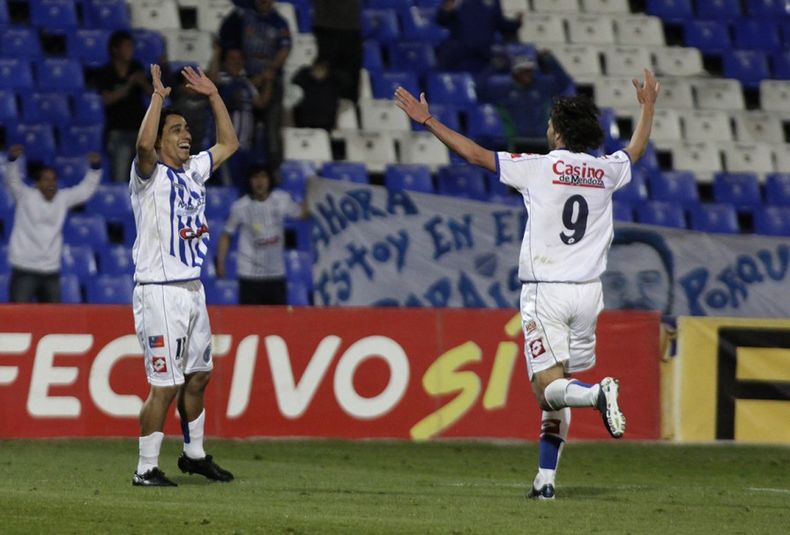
{"x":380,"y":25}
{"x":46,"y":108}
{"x":106,"y":14}
{"x":448,"y":114}
{"x":9,"y":112}
{"x":149,"y":46}
{"x":38,"y":140}
{"x":70,"y":291}
{"x":494,"y":88}
{"x":780,"y":65}
{"x":717,"y":218}
{"x":53,"y":14}
{"x":636,"y":190}
{"x":110,"y":290}
{"x":385,"y":83}
{"x":348,"y":171}
{"x":16,"y":74}
{"x":20,"y":43}
{"x":772,"y":221}
{"x":726,"y":10}
{"x":757,"y":35}
{"x":112,"y":202}
{"x":710,"y":36}
{"x":219,"y":199}
{"x":777,"y":189}
{"x":298,"y":294}
{"x":4,"y":282}
{"x":3,"y":13}
{"x":70,"y":169}
{"x":674,"y":186}
{"x":78,"y":140}
{"x":484,"y":125}
{"x":419,"y":25}
{"x":411,"y":177}
{"x":88,"y":109}
{"x":664,"y":214}
{"x":116,"y":260}
{"x":622,"y":211}
{"x":670,"y":10}
{"x":86,"y":230}
{"x":741,"y":190}
{"x":293,"y":177}
{"x":299,"y":267}
{"x":748,"y":66}
{"x":389,"y":4}
{"x":222,"y":292}
{"x":89,"y":47}
{"x":461,"y":181}
{"x":766,"y":9}
{"x":452,"y":88}
{"x":415,"y":56}
{"x":79,"y":260}
{"x":59,"y":74}
{"x":371,"y":56}
{"x":301,"y":229}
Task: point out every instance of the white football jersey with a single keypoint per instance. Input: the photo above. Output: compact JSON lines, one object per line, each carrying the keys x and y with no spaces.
{"x":172,"y":233}
{"x":568,"y":196}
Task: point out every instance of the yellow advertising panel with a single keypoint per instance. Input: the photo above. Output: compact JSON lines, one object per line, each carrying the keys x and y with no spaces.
{"x":732,"y":380}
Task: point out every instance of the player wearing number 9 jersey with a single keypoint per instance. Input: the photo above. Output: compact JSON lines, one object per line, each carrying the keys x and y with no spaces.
{"x":568,"y":197}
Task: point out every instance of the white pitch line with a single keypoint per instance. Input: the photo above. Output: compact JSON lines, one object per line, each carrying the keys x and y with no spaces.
{"x":759,"y":489}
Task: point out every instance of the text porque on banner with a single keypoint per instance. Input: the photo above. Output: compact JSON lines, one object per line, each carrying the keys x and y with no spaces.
{"x":416,"y":374}
{"x":378,"y":247}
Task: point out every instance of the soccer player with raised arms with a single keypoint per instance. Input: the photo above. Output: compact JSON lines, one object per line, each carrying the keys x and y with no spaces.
{"x":168,"y":192}
{"x":568,"y":197}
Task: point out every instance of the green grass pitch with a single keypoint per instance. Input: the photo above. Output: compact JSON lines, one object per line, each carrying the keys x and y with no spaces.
{"x":283,"y":486}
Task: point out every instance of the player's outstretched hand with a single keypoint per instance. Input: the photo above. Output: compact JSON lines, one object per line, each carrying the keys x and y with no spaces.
{"x":417,"y":110}
{"x":647,"y":91}
{"x":198,"y":82}
{"x":156,"y":80}
{"x":14,"y":152}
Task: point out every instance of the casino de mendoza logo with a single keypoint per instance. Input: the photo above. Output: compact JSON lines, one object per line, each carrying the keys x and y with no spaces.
{"x":577,"y":175}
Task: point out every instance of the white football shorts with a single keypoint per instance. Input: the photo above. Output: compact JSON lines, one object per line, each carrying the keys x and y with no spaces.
{"x":172,"y":325}
{"x":559,"y":324}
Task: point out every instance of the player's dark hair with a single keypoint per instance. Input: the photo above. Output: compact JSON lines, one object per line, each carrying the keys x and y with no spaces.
{"x":39,"y":171}
{"x":257,"y":169}
{"x":118,"y":37}
{"x":575,"y":119}
{"x":165,"y":113}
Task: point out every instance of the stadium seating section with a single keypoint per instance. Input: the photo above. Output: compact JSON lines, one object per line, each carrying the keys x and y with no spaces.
{"x":719,"y":159}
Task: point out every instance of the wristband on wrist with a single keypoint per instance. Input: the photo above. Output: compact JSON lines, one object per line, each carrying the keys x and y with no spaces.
{"x":430,"y":116}
{"x":160,"y":94}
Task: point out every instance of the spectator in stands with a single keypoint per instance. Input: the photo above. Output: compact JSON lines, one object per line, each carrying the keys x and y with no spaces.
{"x":263,"y":36}
{"x":474,"y":27}
{"x":318,"y":107}
{"x":122,"y":84}
{"x":259,"y":218}
{"x":336,"y":27}
{"x":243,"y":101}
{"x":37,"y":239}
{"x":525,"y":105}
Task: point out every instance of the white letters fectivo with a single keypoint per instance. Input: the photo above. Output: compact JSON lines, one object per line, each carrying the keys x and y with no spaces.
{"x":293,"y":398}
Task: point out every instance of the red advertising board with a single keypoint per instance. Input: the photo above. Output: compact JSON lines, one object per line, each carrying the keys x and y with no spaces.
{"x":313,"y":372}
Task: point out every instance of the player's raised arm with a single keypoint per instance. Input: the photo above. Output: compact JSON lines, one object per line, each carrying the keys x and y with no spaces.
{"x":146,"y":136}
{"x":418,"y":111}
{"x":227,"y":142}
{"x":646,"y":94}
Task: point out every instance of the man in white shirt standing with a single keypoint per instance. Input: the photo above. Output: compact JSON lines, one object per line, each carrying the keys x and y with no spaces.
{"x":168,"y":192}
{"x":568,"y":197}
{"x":259,"y":218}
{"x":37,"y":239}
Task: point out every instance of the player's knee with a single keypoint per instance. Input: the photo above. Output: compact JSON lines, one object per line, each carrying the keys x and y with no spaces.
{"x":197,"y":382}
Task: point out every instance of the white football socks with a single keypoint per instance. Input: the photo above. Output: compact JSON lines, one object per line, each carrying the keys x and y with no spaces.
{"x":149,"y":451}
{"x":193,"y":444}
{"x":564,"y":393}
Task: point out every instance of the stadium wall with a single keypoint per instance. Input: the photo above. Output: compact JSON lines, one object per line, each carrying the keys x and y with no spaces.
{"x":76,"y":371}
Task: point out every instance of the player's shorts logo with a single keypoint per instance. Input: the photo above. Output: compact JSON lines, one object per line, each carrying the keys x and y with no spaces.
{"x":156,"y":341}
{"x":531,"y":327}
{"x":536,"y":348}
{"x":159,"y":364}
